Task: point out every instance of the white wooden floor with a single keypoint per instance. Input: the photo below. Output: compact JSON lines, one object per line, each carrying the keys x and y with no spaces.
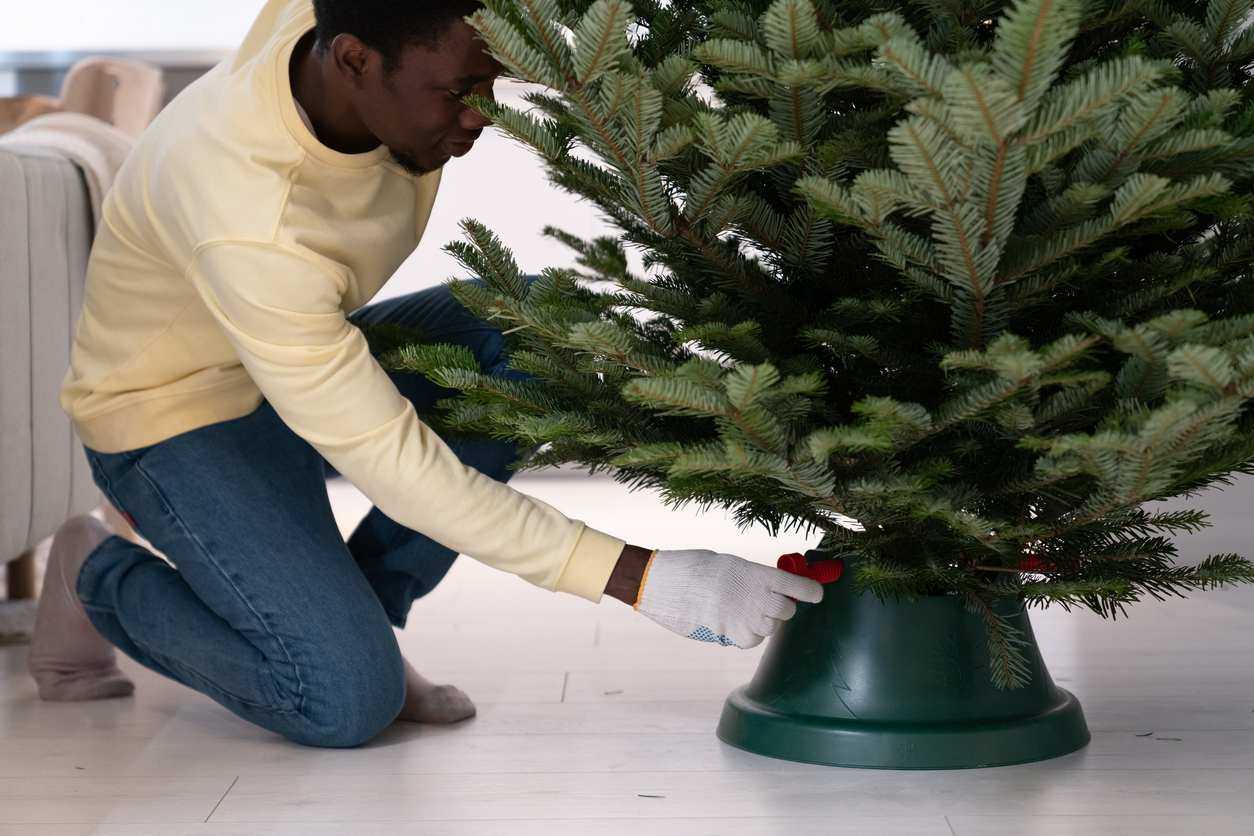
{"x":592,"y":721}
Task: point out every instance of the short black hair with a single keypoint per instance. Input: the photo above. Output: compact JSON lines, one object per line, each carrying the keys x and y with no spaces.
{"x":389,"y":25}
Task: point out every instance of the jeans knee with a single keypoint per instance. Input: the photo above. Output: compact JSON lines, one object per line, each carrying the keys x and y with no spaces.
{"x":354,"y":709}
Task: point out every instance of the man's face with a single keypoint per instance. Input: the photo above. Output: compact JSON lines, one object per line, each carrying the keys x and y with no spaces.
{"x":418,"y":112}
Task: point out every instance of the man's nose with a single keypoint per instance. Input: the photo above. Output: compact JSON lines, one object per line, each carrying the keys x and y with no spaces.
{"x":472,"y":121}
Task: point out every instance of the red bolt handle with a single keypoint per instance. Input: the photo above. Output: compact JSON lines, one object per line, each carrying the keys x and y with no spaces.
{"x":1032,"y":563}
{"x":823,"y":571}
{"x":829,"y":571}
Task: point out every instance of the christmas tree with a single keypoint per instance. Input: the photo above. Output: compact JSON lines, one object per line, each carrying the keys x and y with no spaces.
{"x":961,"y":285}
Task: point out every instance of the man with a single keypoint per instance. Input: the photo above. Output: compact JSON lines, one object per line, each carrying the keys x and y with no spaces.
{"x":216,"y":373}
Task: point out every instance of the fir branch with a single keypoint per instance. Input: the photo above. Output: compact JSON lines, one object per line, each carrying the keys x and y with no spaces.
{"x":978,"y":288}
{"x":1009,"y":665}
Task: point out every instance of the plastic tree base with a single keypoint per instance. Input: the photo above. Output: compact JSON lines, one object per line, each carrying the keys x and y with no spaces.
{"x":851,"y":681}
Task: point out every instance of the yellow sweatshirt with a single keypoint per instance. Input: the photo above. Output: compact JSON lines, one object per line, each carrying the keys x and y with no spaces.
{"x":232,"y":246}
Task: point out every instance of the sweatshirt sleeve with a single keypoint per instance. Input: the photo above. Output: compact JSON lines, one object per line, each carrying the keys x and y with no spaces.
{"x":281,"y":312}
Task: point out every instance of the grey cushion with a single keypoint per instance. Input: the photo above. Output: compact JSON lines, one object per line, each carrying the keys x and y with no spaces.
{"x":45,"y":236}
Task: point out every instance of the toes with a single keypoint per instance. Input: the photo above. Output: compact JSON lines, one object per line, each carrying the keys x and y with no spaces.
{"x":440,"y":704}
{"x":81,"y":688}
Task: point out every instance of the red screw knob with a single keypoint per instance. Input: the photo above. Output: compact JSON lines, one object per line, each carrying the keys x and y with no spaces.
{"x":1032,"y":563}
{"x":795,"y":563}
{"x":827,"y":571}
{"x":823,"y":571}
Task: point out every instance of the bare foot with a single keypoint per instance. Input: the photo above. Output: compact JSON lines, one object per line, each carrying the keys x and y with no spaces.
{"x":428,"y":703}
{"x":69,"y":659}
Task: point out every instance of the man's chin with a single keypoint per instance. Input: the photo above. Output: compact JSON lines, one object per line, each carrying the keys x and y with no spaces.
{"x":413,"y":165}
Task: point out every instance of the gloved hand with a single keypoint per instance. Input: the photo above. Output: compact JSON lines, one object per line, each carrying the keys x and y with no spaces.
{"x":721,"y":598}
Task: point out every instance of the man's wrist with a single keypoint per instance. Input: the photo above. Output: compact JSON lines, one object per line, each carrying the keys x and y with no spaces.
{"x":624,"y":583}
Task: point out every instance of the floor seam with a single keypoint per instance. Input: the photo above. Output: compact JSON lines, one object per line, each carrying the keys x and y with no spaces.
{"x":220,"y":800}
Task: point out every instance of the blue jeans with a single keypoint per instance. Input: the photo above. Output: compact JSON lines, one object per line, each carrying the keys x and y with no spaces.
{"x":269,"y":612}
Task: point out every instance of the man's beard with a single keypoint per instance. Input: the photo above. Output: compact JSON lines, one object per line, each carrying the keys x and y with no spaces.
{"x":410,"y":163}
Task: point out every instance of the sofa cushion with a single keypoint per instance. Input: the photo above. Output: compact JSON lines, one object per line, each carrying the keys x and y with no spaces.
{"x":45,"y":237}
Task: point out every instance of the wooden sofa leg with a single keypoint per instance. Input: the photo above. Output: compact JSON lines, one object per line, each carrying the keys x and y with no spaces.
{"x":21,"y":572}
{"x":21,"y":575}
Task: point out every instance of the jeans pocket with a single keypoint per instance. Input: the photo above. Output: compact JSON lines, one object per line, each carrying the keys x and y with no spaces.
{"x":98,"y":474}
{"x":108,"y":470}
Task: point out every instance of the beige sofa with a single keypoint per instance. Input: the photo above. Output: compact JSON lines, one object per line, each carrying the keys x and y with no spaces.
{"x":45,"y":236}
{"x":46,"y":231}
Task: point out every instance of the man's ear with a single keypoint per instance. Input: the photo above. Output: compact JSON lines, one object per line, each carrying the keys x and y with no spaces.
{"x":356,"y":61}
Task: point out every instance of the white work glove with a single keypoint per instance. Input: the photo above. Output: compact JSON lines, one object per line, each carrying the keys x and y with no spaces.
{"x":721,"y":598}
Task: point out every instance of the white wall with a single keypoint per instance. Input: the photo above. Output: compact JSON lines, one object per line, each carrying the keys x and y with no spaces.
{"x":499,"y":183}
{"x":124,"y":24}
{"x":503,"y":185}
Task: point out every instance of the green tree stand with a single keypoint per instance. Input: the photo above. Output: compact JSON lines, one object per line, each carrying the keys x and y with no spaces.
{"x":853,"y":681}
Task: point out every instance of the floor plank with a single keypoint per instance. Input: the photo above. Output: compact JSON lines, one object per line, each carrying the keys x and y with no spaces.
{"x":762,"y":793}
{"x":110,"y":799}
{"x":774,"y":826}
{"x":585,"y":711}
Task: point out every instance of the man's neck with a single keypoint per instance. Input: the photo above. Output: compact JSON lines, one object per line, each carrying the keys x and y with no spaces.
{"x":335,"y":122}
